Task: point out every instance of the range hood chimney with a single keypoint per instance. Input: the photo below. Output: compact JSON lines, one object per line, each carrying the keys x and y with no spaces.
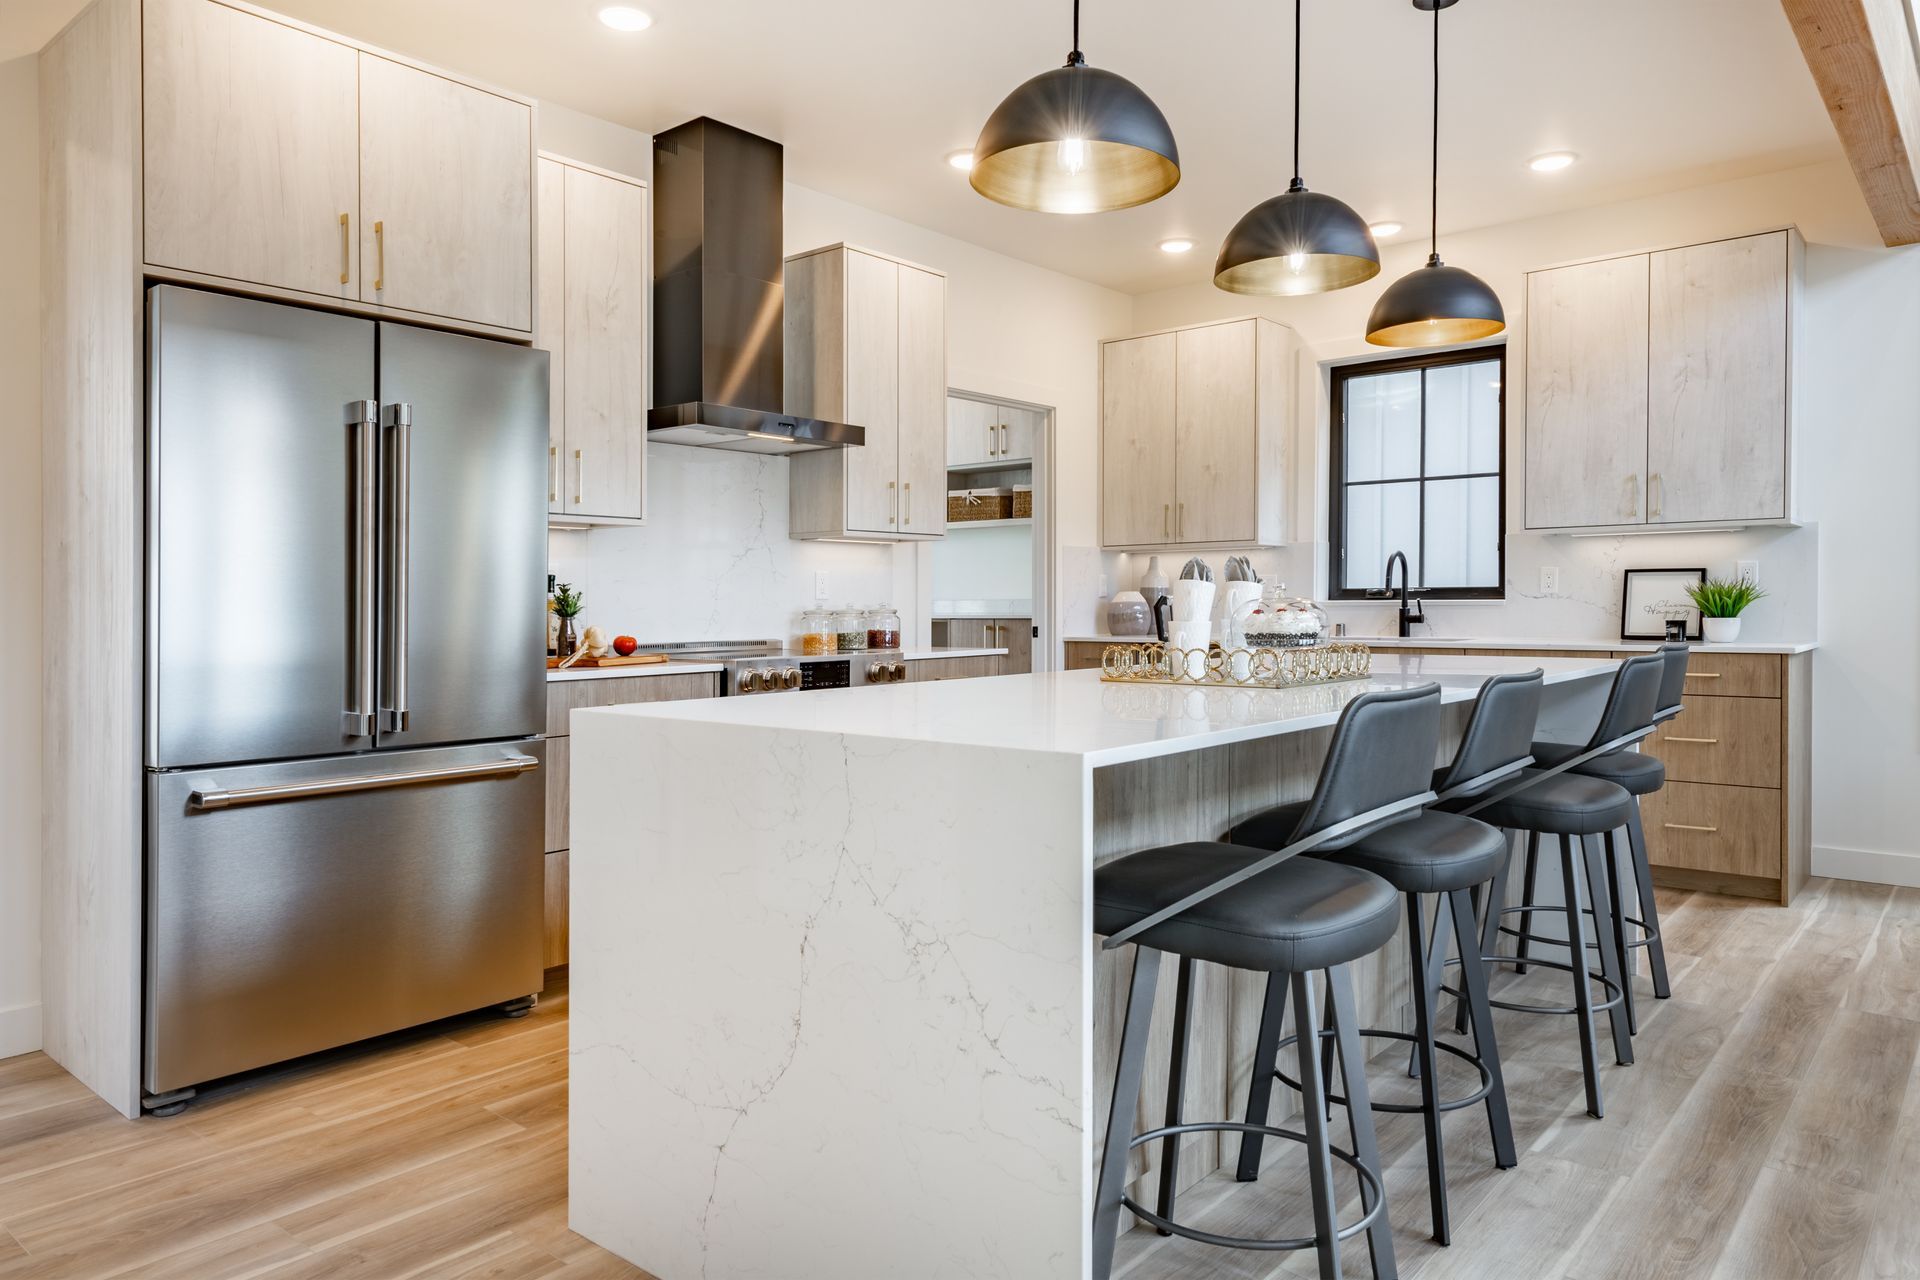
{"x":718,"y":294}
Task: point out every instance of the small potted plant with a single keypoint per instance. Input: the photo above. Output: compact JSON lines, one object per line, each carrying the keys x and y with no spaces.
{"x":1720,"y":601}
{"x":568,"y":600}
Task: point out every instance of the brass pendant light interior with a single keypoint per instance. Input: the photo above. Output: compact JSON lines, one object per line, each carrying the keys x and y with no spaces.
{"x":1075,"y":139}
{"x":1435,"y":305}
{"x":1300,"y":241}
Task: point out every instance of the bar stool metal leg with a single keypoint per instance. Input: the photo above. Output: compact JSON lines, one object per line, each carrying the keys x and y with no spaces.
{"x":1529,"y":877}
{"x":1313,"y":1098}
{"x":1602,"y":891}
{"x":1429,"y":1079}
{"x":1176,"y":1091}
{"x":1473,"y":980}
{"x":1366,"y":1148}
{"x":1649,"y":908}
{"x":1107,"y":1208}
{"x":1582,"y":986}
{"x":1266,"y":1053}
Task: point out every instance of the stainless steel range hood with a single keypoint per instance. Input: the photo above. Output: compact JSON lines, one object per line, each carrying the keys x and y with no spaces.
{"x":718,"y":294}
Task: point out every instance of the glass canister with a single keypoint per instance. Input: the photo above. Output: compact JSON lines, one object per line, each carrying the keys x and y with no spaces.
{"x":883,"y":628}
{"x":817,"y":634}
{"x":850,"y":630}
{"x":1280,"y":621}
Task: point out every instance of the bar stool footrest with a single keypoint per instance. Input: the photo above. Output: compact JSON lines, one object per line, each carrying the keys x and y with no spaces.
{"x":1404,"y":1108}
{"x":1369,"y":1180}
{"x":1614,"y":995}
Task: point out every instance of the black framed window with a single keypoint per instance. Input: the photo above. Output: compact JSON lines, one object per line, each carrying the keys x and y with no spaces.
{"x":1419,"y":465}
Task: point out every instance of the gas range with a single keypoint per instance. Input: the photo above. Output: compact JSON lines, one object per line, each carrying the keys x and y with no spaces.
{"x":767,"y":666}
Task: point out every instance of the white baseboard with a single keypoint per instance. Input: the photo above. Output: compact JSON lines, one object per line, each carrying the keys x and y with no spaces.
{"x":1869,"y":865}
{"x":19,"y":1030}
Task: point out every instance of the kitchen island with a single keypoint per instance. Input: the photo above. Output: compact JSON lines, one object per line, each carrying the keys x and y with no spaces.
{"x":837,"y":1007}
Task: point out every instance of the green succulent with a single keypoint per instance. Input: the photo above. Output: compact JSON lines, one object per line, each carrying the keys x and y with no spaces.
{"x":1723,"y":597}
{"x":568,"y":600}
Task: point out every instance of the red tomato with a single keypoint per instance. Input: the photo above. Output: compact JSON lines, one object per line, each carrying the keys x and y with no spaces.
{"x":625,"y":645}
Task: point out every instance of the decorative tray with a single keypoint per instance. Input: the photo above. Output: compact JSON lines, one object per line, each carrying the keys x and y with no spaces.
{"x":1154,"y":663}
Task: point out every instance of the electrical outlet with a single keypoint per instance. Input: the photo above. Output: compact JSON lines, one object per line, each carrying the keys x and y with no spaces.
{"x":1748,"y":569}
{"x":1549,"y":580}
{"x":820,"y":585}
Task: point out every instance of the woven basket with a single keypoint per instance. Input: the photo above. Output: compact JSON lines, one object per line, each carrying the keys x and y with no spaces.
{"x":965,"y":505}
{"x":1022,"y":502}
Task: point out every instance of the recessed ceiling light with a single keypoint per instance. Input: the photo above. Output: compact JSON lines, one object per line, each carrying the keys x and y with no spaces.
{"x":1552,"y":161}
{"x":622,"y":17}
{"x":1178,"y":244}
{"x":1381,"y":230}
{"x":961,"y":160}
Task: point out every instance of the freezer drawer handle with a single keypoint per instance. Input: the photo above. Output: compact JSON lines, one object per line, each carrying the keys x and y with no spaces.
{"x":506,"y":766}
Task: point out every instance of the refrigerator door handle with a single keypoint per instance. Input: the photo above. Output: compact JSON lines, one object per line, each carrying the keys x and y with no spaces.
{"x":364,"y":417}
{"x":399,"y":418}
{"x":220,"y":798}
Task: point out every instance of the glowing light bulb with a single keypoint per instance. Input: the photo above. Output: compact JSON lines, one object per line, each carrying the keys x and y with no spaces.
{"x":1296,"y":262}
{"x":1073,"y":154}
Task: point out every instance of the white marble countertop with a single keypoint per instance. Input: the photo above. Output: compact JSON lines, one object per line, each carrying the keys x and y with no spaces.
{"x":1076,"y":714}
{"x":695,"y":668}
{"x":1509,"y":642}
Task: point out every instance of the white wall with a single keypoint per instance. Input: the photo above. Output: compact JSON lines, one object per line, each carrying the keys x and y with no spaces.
{"x":1847,"y":579}
{"x":20,"y":563}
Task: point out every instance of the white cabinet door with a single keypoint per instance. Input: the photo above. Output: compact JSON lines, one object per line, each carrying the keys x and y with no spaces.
{"x":609,"y":279}
{"x":251,"y":146}
{"x":1019,"y":430}
{"x":550,"y":322}
{"x":923,"y":396}
{"x":973,"y":432}
{"x":1587,"y":394}
{"x":873,"y":392}
{"x":446,"y":199}
{"x":1137,"y":441}
{"x":1217,"y":458}
{"x":1717,"y":408}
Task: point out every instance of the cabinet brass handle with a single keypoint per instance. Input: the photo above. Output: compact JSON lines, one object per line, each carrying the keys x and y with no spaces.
{"x":893,"y":502}
{"x":1686,"y":826}
{"x":1655,"y":486}
{"x":1180,"y":524}
{"x":580,"y":477}
{"x":1633,"y":497}
{"x":379,"y":256}
{"x":553,"y":473}
{"x":990,"y":440}
{"x":1006,"y":439}
{"x":907,"y":517}
{"x":1703,"y":741}
{"x":1166,"y":520}
{"x":344,"y":258}
{"x":1703,"y":675}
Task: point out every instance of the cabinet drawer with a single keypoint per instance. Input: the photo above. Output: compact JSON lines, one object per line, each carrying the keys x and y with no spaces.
{"x":1722,"y":740}
{"x":1732,"y":830}
{"x":565,"y":695}
{"x":1084,"y":656}
{"x":559,"y":756}
{"x":554,"y":944}
{"x":1733,"y":675}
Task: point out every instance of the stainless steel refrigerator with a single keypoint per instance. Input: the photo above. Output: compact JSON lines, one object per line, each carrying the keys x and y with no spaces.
{"x":345,"y":677}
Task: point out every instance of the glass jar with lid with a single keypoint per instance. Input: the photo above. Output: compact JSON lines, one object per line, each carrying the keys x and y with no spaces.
{"x":883,"y":628}
{"x":850,"y":630}
{"x":816,"y":633}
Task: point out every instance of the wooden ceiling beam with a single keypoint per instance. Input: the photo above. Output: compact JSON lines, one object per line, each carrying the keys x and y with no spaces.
{"x":1864,"y":59}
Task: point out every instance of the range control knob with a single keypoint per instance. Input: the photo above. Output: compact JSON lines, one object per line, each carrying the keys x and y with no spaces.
{"x":877,"y":673}
{"x":896,"y":671}
{"x":747,"y":682}
{"x":793,"y":678}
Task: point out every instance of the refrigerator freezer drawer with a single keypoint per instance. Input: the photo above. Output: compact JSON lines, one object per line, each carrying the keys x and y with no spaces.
{"x":296,"y":907}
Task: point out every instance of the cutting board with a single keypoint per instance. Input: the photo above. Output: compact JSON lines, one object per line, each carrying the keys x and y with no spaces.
{"x":610,"y":660}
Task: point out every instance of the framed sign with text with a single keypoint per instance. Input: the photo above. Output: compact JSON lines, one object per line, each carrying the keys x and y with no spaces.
{"x":1649,"y":598}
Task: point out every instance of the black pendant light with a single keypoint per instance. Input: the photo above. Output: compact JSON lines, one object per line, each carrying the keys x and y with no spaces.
{"x":1436,"y":305}
{"x":1300,"y":241}
{"x":1076,"y":140}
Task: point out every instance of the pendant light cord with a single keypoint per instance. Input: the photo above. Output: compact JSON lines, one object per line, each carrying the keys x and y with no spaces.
{"x":1433,"y":217}
{"x":1296,"y":91}
{"x":1076,"y":58}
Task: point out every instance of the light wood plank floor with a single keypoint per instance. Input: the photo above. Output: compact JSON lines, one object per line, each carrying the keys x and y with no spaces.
{"x":439,"y":1152}
{"x":1770,"y":1128}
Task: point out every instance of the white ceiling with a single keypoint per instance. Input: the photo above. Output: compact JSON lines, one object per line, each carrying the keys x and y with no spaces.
{"x":870,"y":95}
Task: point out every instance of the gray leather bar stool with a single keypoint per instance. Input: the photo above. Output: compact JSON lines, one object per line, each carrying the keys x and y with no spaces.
{"x":1573,"y":807}
{"x":1446,"y":856}
{"x":1638,"y":774}
{"x":1292,"y":918}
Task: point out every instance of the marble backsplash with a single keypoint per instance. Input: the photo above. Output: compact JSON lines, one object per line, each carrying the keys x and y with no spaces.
{"x":713,"y":561}
{"x":1587,"y":604}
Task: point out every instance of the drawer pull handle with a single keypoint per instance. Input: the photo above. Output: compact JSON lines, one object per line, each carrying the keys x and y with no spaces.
{"x":1702,"y":741}
{"x":1686,"y":826}
{"x":1703,"y":675}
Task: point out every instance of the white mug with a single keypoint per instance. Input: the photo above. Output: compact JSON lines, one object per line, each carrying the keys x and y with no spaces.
{"x":1187,"y":644}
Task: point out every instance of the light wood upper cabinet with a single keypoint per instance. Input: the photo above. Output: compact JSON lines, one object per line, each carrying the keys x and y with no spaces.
{"x":866,"y":345}
{"x":1194,"y":433}
{"x":1587,"y":394}
{"x":609,"y":280}
{"x":1659,"y":387}
{"x":1717,"y":381}
{"x":251,"y":138}
{"x":1019,"y":432}
{"x":973,"y":432}
{"x":923,"y":399}
{"x":550,"y":319}
{"x":446,"y":197}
